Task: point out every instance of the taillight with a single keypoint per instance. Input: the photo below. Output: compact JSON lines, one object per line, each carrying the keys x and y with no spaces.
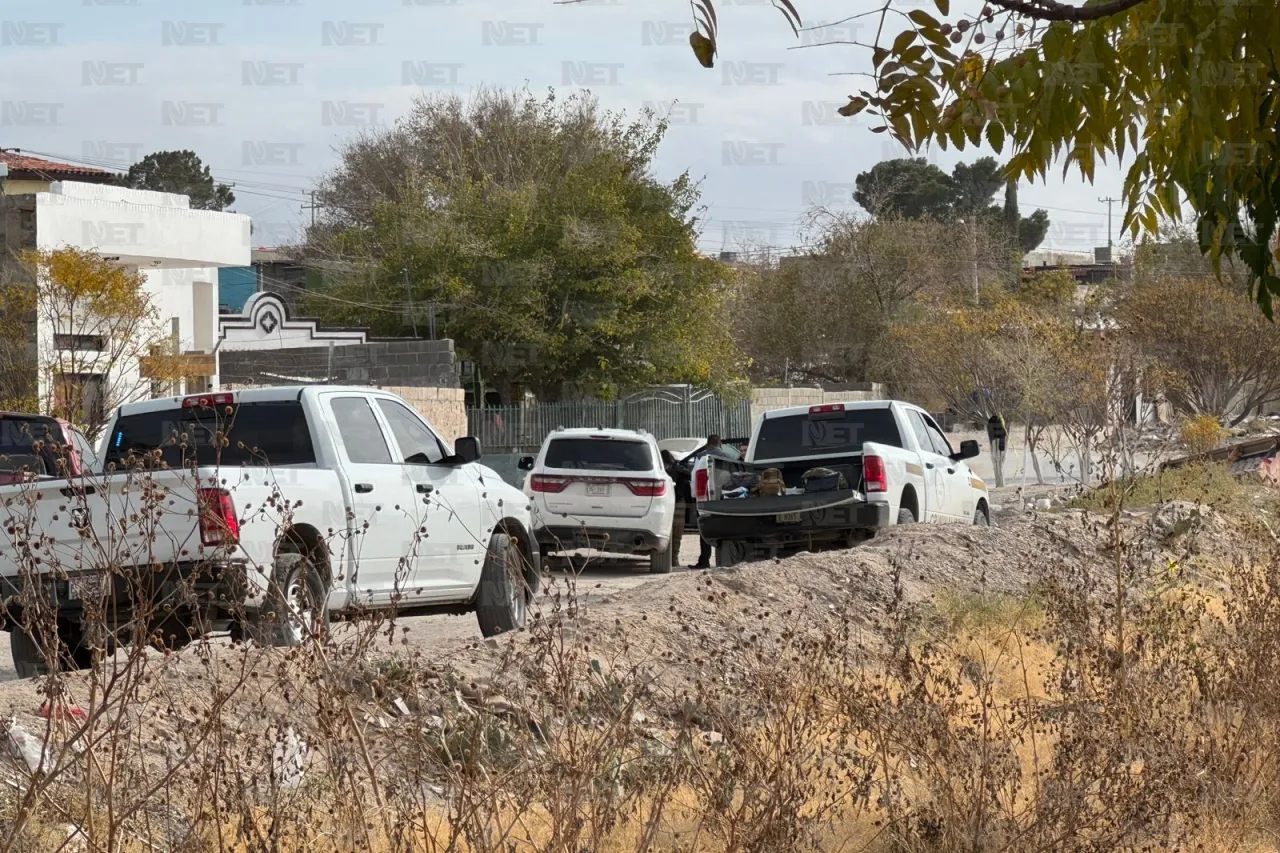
{"x":702,"y":484}
{"x":218,"y":523}
{"x":548,"y":483}
{"x":647,"y":488}
{"x":204,"y":401}
{"x":829,"y":407}
{"x":873,"y":474}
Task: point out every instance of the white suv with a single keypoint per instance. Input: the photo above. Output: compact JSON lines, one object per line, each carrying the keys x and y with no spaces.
{"x":604,"y":489}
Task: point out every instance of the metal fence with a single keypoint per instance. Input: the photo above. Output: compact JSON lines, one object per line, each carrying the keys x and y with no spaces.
{"x":665,"y":412}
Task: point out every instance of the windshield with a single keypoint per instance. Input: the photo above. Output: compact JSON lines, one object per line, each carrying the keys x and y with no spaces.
{"x":266,"y":433}
{"x":838,"y":433}
{"x":599,"y":454}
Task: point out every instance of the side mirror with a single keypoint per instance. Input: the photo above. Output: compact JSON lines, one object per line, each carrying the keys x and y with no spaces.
{"x":467,"y":449}
{"x":968,"y":450}
{"x":525,"y":463}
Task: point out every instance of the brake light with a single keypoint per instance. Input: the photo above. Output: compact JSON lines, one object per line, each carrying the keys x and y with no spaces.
{"x":204,"y":401}
{"x":829,"y":407}
{"x":647,"y":488}
{"x":548,"y":483}
{"x":873,"y":474}
{"x":702,"y":484}
{"x":218,"y":523}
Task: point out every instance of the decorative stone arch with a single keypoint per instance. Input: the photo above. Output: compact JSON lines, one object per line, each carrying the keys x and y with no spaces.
{"x":265,"y":324}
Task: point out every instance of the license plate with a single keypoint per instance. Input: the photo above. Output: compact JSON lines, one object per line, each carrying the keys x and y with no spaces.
{"x":598,"y":490}
{"x":788,"y":518}
{"x":90,"y":587}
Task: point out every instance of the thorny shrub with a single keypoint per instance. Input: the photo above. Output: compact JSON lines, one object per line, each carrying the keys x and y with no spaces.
{"x":1123,"y":704}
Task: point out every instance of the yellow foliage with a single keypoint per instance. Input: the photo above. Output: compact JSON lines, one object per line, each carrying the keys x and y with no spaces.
{"x":1202,"y":433}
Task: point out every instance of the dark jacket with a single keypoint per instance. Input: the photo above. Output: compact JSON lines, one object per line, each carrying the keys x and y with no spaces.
{"x":684,"y":483}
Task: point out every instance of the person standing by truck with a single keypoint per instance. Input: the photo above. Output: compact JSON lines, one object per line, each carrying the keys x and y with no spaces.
{"x":684,"y":498}
{"x":715,"y":447}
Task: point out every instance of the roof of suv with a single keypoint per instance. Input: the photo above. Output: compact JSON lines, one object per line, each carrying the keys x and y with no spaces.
{"x":581,"y":432}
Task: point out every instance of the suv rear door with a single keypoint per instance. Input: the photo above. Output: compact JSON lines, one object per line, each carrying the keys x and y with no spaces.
{"x":597,"y":475}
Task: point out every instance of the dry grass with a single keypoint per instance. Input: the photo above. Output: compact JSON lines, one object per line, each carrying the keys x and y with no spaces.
{"x":1116,"y":705}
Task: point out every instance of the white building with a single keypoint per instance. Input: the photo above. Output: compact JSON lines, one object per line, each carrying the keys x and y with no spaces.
{"x":47,"y":206}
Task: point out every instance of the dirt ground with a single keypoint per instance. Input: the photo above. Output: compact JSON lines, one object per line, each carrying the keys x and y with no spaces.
{"x":606,"y":577}
{"x":679,"y":615}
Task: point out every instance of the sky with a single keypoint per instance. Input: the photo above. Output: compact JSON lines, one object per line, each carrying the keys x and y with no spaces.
{"x":267,"y":91}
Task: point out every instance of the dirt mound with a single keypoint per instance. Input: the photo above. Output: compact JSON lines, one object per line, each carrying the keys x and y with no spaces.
{"x":677,"y":633}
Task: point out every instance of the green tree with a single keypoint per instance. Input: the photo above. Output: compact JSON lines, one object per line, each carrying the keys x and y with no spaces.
{"x":1185,"y":91}
{"x":180,"y":172}
{"x":910,"y":187}
{"x":534,"y":234}
{"x":914,"y":188}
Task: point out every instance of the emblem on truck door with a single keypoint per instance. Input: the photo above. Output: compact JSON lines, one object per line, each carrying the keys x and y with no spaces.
{"x":80,"y":517}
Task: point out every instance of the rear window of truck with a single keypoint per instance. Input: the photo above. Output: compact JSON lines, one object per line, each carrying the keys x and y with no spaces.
{"x":825,"y":434}
{"x":256,"y":434}
{"x":599,"y":454}
{"x":18,"y":451}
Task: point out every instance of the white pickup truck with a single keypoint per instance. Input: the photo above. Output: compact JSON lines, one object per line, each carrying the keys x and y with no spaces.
{"x":889,"y":463}
{"x":263,"y":512}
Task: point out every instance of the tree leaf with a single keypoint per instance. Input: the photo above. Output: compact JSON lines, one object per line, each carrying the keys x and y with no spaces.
{"x":711,"y":12}
{"x":903,"y":41}
{"x":794,"y":14}
{"x":703,"y":48}
{"x":855,"y":106}
{"x":923,"y":19}
{"x":944,"y":6}
{"x":995,"y":136}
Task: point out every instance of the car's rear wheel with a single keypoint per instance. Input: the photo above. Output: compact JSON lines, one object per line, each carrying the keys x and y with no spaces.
{"x":906,"y":516}
{"x":660,"y":561}
{"x":730,"y":553}
{"x":503,"y":603}
{"x":30,"y":660}
{"x":297,"y":606}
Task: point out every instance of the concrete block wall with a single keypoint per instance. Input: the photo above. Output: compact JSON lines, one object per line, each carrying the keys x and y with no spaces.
{"x":444,"y":408}
{"x":406,"y":363}
{"x":770,"y":399}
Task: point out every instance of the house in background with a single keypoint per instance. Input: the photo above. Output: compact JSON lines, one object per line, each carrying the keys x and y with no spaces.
{"x":275,"y":271}
{"x":45,"y":205}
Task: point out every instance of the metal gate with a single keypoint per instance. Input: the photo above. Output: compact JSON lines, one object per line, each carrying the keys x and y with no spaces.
{"x":667,"y":412}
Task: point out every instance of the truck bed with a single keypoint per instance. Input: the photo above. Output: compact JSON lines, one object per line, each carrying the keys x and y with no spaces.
{"x":787,"y":522}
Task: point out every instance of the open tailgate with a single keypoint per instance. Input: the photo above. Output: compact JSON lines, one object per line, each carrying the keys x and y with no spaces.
{"x":772,"y":505}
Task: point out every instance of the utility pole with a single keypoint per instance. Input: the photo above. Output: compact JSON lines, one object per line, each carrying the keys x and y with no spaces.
{"x":313,"y":207}
{"x":1108,"y":202}
{"x":408,"y":296}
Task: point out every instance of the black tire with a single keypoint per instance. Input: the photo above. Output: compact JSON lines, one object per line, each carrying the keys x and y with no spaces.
{"x":730,"y":553}
{"x":982,"y":517}
{"x":297,"y":606}
{"x":29,"y":659}
{"x":503,"y":601}
{"x":660,"y":561}
{"x":906,"y":516}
